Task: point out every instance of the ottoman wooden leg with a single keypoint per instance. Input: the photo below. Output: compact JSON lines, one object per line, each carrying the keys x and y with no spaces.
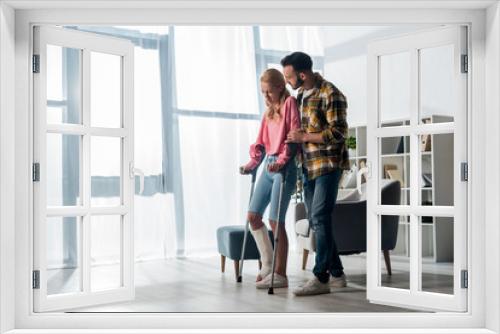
{"x":236,"y":268}
{"x":222,"y":263}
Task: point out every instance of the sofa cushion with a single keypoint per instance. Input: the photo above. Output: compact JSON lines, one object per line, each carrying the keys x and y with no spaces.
{"x":302,"y":227}
{"x":348,"y":179}
{"x":353,"y":195}
{"x":348,"y":196}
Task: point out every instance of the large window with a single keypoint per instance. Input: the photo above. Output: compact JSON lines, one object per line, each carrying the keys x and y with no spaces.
{"x":481,"y":190}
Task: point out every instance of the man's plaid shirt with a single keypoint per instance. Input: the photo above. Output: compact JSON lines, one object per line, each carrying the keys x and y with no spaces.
{"x":324,"y":111}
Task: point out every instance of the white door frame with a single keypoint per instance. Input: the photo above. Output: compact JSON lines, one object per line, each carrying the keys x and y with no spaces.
{"x":334,"y":12}
{"x":414,"y":296}
{"x":87,"y":43}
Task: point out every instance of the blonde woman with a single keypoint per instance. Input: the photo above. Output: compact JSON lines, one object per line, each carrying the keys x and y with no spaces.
{"x":281,"y":117}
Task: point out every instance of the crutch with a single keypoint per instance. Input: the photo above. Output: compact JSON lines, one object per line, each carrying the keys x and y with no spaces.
{"x":293,"y":147}
{"x":245,"y":235}
{"x":270,"y":291}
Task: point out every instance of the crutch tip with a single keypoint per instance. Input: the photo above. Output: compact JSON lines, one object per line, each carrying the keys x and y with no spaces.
{"x":270,"y":291}
{"x":239,"y":279}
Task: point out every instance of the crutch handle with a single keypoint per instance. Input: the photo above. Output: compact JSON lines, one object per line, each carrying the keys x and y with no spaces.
{"x":282,"y":171}
{"x":262,"y":154}
{"x":254,"y":174}
{"x":292,"y":147}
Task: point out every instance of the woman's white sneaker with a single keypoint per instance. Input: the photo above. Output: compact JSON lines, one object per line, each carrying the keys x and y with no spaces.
{"x":279,"y":282}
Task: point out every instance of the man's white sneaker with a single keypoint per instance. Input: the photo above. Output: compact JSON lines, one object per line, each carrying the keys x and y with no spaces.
{"x":312,"y":287}
{"x":338,"y":282}
{"x":279,"y":282}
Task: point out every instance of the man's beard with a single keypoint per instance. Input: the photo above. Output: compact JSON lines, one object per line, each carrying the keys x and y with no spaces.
{"x":299,"y":83}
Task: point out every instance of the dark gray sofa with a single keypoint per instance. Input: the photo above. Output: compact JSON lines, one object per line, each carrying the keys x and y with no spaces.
{"x":349,"y":225}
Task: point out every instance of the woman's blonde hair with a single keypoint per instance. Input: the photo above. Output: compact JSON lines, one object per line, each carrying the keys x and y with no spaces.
{"x":274,"y":78}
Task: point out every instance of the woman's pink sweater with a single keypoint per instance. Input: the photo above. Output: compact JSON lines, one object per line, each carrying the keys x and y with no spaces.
{"x":273,"y":133}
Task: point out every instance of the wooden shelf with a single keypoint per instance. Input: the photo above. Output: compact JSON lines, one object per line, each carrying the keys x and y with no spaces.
{"x":394,"y":155}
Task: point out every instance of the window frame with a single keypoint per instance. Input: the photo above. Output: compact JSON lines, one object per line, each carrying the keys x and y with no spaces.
{"x":478,"y":318}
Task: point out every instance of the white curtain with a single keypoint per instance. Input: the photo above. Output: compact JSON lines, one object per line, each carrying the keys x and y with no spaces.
{"x":308,"y":39}
{"x":215,"y":71}
{"x":154,"y":216}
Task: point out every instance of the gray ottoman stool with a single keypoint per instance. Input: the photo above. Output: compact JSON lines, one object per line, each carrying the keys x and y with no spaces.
{"x":230,"y":242}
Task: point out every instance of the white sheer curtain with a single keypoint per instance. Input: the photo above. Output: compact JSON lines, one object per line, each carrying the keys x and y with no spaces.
{"x":308,"y":39}
{"x":214,"y":193}
{"x":154,"y":217}
{"x":215,"y":71}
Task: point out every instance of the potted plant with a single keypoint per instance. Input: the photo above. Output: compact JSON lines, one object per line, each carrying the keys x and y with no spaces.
{"x":351,"y":145}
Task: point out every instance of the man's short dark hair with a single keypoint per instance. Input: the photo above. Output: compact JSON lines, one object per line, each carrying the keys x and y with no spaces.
{"x":300,"y":61}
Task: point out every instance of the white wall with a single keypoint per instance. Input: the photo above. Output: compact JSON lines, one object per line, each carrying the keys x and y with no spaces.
{"x":345,"y":66}
{"x":349,"y":75}
{"x":492,"y":145}
{"x":7,"y":175}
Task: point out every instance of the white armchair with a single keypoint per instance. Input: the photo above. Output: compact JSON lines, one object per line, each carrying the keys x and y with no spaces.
{"x":305,"y":238}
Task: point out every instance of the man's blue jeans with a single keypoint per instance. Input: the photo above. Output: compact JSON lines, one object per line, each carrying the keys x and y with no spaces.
{"x":320,"y":197}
